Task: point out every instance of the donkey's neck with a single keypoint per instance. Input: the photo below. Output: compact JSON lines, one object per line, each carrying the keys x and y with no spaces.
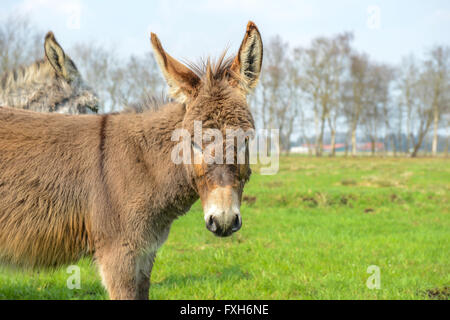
{"x":174,"y":186}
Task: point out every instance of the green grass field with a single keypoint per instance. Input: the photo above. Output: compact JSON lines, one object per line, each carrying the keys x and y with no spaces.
{"x":309,"y":232}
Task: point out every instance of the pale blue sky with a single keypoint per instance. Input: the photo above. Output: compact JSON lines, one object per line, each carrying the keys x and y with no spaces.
{"x":190,"y":29}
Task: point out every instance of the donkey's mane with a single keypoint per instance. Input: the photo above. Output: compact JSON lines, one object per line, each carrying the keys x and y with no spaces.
{"x":148,"y":103}
{"x":215,"y":69}
{"x":25,"y":74}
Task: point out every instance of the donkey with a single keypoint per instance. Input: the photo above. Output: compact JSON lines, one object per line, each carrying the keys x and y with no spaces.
{"x":106,"y":186}
{"x":52,"y":84}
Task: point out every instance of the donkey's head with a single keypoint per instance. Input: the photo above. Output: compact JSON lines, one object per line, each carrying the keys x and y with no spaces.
{"x":214,"y":96}
{"x":69,"y":93}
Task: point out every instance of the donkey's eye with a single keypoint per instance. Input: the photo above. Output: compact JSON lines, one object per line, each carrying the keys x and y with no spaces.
{"x":196,"y":147}
{"x":243,"y":146}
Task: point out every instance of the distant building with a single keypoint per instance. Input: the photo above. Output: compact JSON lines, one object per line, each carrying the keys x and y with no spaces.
{"x":299,"y":149}
{"x":367,"y":146}
{"x":339,"y":147}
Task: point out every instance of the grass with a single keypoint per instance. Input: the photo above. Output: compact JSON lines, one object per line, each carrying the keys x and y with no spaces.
{"x":309,"y":232}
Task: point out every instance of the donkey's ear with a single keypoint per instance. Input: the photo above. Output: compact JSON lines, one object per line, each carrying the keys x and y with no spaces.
{"x":63,"y":65}
{"x":182,"y":81}
{"x":247,"y":64}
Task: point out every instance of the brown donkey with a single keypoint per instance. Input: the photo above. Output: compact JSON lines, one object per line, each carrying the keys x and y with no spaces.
{"x":106,"y":185}
{"x":52,"y":84}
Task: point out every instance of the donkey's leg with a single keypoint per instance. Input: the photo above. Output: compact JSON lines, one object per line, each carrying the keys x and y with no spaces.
{"x":145,"y":267}
{"x":118,"y":269}
{"x":145,"y":264}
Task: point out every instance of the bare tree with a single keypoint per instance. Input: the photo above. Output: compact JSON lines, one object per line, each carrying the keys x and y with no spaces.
{"x":432,"y":93}
{"x":96,"y":64}
{"x":322,"y":70}
{"x":340,"y":61}
{"x":387,"y":77}
{"x":371,"y":113}
{"x":439,"y":63}
{"x":278,"y":93}
{"x":358,"y":82}
{"x":407,"y":83}
{"x":310,"y":85}
{"x":376,"y":110}
{"x":20,"y":42}
{"x":424,"y":108}
{"x":141,"y":79}
{"x":303,"y":125}
{"x":317,"y":83}
{"x":119,"y":83}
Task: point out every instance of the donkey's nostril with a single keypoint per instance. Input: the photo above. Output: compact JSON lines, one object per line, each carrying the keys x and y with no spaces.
{"x":237,"y":223}
{"x":211,"y":224}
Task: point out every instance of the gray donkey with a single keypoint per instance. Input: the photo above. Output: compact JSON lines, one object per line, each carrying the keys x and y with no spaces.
{"x":52,"y":84}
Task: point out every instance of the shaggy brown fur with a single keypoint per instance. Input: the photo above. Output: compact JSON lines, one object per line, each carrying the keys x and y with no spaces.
{"x":147,"y":103}
{"x":49,"y":85}
{"x":105,"y":185}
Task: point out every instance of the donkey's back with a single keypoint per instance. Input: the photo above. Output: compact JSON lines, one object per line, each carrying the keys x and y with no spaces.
{"x":48,"y":164}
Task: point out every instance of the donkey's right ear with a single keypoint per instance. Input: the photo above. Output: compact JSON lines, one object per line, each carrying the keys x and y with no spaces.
{"x":182,"y":81}
{"x":61,"y":63}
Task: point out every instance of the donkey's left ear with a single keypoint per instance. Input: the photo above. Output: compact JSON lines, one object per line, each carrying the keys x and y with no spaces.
{"x":61,"y":63}
{"x":247,"y":64}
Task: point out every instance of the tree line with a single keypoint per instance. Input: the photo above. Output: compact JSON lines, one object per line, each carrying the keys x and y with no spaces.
{"x":330,"y":87}
{"x":326,"y":91}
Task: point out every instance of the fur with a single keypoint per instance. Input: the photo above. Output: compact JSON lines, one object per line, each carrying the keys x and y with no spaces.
{"x":41,"y":87}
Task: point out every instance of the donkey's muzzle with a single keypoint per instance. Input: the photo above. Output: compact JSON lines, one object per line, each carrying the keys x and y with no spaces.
{"x":216,"y":226}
